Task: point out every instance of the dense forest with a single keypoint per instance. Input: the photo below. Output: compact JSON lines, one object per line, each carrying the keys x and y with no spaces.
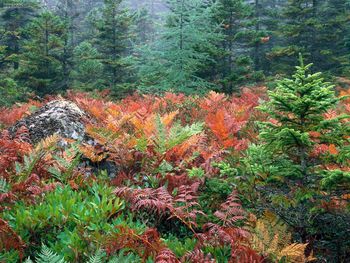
{"x":194,"y":131}
{"x":182,"y":46}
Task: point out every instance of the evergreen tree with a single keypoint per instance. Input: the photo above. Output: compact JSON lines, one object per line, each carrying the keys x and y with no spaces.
{"x":68,"y":12}
{"x":42,"y":69}
{"x":266,"y":18}
{"x":87,"y":74}
{"x":289,"y":164}
{"x":10,"y":92}
{"x":298,"y":31}
{"x":14,"y":15}
{"x":234,"y":63}
{"x":143,"y":27}
{"x":113,"y":43}
{"x":316,"y":28}
{"x":183,"y":50}
{"x":333,"y":41}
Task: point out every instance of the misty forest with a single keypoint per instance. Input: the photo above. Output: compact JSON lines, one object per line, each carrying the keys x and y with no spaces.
{"x":168,"y":131}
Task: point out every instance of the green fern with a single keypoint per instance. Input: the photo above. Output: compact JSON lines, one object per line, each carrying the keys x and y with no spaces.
{"x":124,"y":257}
{"x":161,"y":135}
{"x":4,"y":186}
{"x":179,"y":134}
{"x":46,"y":255}
{"x":166,"y":140}
{"x":72,"y":160}
{"x":25,"y":169}
{"x":98,"y":257}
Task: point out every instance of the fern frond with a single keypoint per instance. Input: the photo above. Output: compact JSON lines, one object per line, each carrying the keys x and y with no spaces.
{"x":125,"y":257}
{"x":102,"y":135}
{"x":98,"y":257}
{"x":295,"y":253}
{"x":9,"y":239}
{"x":197,"y":255}
{"x":48,"y":143}
{"x":270,"y":236}
{"x":166,"y":256}
{"x":46,"y":255}
{"x":167,"y":119}
{"x":147,"y":244}
{"x":66,"y":162}
{"x":231,"y":211}
{"x":179,"y":134}
{"x":4,"y":186}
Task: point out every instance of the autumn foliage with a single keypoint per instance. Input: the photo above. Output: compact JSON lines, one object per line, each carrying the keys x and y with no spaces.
{"x":172,"y":152}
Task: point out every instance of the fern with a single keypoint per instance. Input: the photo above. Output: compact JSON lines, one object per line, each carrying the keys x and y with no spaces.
{"x":166,"y":256}
{"x":97,"y":257}
{"x":32,"y":161}
{"x":270,"y":237}
{"x":295,"y":253}
{"x":4,"y":186}
{"x":197,"y":255}
{"x":9,"y":239}
{"x":46,"y":255}
{"x":25,"y":169}
{"x":160,"y":140}
{"x":145,"y":245}
{"x":177,"y":134}
{"x":125,"y":257}
{"x":231,"y":211}
{"x":66,"y":164}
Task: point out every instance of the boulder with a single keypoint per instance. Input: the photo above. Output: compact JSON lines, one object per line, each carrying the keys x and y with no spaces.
{"x":60,"y":117}
{"x":66,"y":119}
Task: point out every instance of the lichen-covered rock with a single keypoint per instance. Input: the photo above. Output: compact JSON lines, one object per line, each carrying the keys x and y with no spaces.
{"x":66,"y":119}
{"x":60,"y":117}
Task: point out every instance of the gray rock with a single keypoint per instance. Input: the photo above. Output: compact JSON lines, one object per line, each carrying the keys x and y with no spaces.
{"x":66,"y":119}
{"x":60,"y":117}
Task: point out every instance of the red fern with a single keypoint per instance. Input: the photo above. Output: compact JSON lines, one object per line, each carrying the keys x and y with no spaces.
{"x":226,"y":233}
{"x":184,"y":206}
{"x":10,"y":240}
{"x":11,"y":115}
{"x":145,"y":245}
{"x":231,"y":211}
{"x":154,"y":200}
{"x":13,"y":150}
{"x":197,"y":256}
{"x":166,"y":256}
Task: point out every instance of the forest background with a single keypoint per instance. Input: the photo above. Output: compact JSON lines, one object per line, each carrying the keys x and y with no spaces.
{"x":152,"y":46}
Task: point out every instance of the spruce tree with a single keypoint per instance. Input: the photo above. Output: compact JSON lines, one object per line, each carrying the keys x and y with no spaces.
{"x":333,"y":38}
{"x":68,"y":12}
{"x":113,"y":43}
{"x":298,"y":28}
{"x":265,"y":20}
{"x":87,"y":73}
{"x":14,"y":16}
{"x":42,"y":69}
{"x":296,"y":108}
{"x":316,"y":28}
{"x":234,"y":60}
{"x":183,"y":50}
{"x":143,"y":27}
{"x":300,"y":139}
